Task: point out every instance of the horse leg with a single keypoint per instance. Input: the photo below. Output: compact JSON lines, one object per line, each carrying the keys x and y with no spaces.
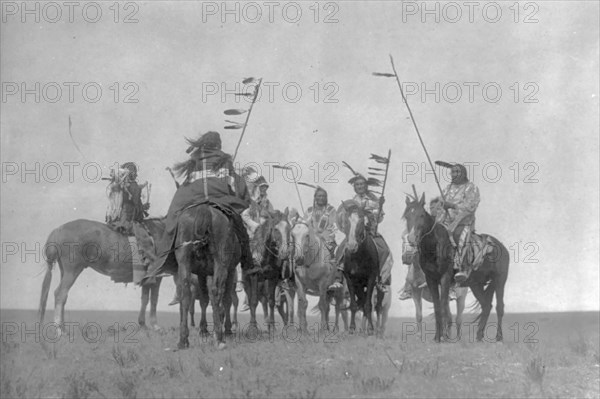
{"x":219,"y":287}
{"x":289,"y":297}
{"x":184,"y":258}
{"x":353,"y":307}
{"x":154,"y":289}
{"x":252,"y":296}
{"x":461,"y":297}
{"x":194,"y":290}
{"x":417,"y":299}
{"x":235,"y":302}
{"x":67,"y":279}
{"x":486,"y":307}
{"x":435,"y":297}
{"x":445,"y":304}
{"x":203,"y":299}
{"x":385,"y":308}
{"x":499,"y":310}
{"x":302,"y":305}
{"x":323,"y":308}
{"x":145,"y":300}
{"x":368,"y":306}
{"x":227,"y":300}
{"x":271,"y":285}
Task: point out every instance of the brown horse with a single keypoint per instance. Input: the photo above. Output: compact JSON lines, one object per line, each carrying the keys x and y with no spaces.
{"x":86,"y":243}
{"x":205,"y":244}
{"x":435,"y":257}
{"x":314,"y":272}
{"x":360,"y":261}
{"x":271,"y":238}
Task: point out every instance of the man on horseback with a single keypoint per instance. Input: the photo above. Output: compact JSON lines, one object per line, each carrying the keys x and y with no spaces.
{"x":322,"y":218}
{"x":254,"y":216}
{"x":132,"y":212}
{"x":462,"y":200}
{"x":372,"y":206}
{"x":132,"y":209}
{"x":260,"y":205}
{"x":209,"y":178}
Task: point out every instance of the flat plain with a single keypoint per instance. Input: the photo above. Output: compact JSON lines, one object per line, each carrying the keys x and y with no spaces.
{"x":105,"y":355}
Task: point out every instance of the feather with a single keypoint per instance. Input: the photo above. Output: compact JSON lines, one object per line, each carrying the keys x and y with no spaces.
{"x":349,"y":167}
{"x":444,"y":164}
{"x":379,"y":169}
{"x":235,"y":111}
{"x":379,"y":158}
{"x":371,"y":181}
{"x":308,"y":185}
{"x":385,"y":75}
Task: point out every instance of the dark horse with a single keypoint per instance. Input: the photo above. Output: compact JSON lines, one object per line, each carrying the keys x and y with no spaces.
{"x":360,"y":259}
{"x":436,"y":260}
{"x":206,"y":244}
{"x":271,"y":239}
{"x":85,"y":243}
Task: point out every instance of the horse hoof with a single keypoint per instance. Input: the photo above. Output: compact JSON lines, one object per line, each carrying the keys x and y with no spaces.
{"x":183,"y":344}
{"x":221,"y":346}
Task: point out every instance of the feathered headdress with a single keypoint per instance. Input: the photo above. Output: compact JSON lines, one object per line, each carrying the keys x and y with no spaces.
{"x":371,"y":181}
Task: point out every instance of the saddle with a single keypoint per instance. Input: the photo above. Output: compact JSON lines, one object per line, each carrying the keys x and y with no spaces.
{"x":477,"y":248}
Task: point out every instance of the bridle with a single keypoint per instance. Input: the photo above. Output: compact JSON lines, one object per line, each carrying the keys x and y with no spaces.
{"x":418,"y":242}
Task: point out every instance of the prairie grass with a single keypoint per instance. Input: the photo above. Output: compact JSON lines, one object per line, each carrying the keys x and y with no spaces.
{"x":563,"y":362}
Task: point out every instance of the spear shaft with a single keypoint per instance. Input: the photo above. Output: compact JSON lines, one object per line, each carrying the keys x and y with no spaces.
{"x":247,"y":118}
{"x":412,"y":118}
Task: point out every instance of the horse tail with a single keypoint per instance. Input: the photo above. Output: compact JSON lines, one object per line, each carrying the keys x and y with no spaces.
{"x":52,"y":254}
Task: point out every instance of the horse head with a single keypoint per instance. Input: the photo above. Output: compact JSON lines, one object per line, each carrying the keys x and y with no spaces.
{"x":351,"y":221}
{"x":418,"y":221}
{"x":279,"y":235}
{"x":300,"y":238}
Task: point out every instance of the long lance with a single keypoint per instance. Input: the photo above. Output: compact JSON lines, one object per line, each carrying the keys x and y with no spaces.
{"x":247,"y":118}
{"x":412,"y":118}
{"x":295,"y":184}
{"x":387,"y":166}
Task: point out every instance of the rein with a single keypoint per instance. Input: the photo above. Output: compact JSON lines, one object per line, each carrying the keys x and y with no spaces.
{"x":417,"y":244}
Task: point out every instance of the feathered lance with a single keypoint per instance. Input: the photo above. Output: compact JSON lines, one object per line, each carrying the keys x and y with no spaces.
{"x":247,"y":117}
{"x":387,"y":166}
{"x":412,"y":118}
{"x":295,"y":185}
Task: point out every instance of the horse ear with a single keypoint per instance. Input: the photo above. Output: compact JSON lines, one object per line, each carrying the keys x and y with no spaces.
{"x":286,"y":213}
{"x":407,"y":200}
{"x":422,"y":200}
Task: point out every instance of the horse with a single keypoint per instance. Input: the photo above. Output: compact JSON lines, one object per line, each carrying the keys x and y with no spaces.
{"x":205,"y":244}
{"x":418,"y":293}
{"x":360,"y":261}
{"x":271,"y":239}
{"x":435,"y":257}
{"x":86,"y":243}
{"x":314,"y":272}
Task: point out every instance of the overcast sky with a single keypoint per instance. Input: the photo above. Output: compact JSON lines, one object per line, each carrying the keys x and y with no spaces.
{"x":511,"y":91}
